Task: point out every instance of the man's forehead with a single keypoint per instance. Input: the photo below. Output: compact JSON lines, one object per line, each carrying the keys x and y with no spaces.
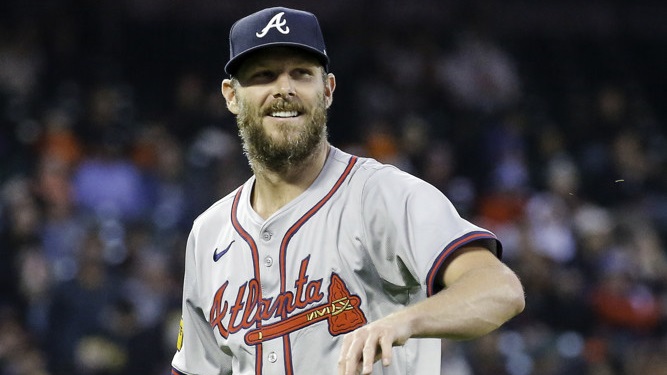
{"x":277,"y":56}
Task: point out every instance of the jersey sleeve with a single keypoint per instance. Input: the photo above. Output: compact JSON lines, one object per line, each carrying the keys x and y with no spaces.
{"x":412,"y":228}
{"x":197,"y":350}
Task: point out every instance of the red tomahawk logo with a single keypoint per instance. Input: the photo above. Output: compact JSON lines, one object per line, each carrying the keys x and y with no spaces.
{"x":341,"y":311}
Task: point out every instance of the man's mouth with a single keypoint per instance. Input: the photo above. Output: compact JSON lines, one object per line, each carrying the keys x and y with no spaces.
{"x":284,"y":114}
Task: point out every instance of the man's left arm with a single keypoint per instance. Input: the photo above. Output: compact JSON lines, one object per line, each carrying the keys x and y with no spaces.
{"x":481,"y":293}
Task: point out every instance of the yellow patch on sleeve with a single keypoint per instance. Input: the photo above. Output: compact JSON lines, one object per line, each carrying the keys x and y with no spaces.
{"x":179,"y":342}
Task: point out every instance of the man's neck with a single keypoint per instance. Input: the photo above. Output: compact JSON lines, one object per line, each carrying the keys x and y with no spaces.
{"x":274,"y":189}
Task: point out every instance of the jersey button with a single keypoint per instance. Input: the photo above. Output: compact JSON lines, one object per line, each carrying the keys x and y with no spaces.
{"x":266,"y":236}
{"x":272,"y":357}
{"x":268,"y":261}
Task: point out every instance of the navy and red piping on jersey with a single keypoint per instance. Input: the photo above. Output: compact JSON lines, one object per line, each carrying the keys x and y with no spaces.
{"x":255,"y":261}
{"x":244,"y":234}
{"x":449,"y":249}
{"x":287,"y":347}
{"x":176,"y":372}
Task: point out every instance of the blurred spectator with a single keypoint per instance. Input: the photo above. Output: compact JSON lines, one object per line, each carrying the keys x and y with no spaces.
{"x":63,"y":227}
{"x":21,"y":62}
{"x":80,"y":307}
{"x":479,"y":75}
{"x":108,"y":184}
{"x":19,"y":354}
{"x":21,"y":226}
{"x":160,"y":156}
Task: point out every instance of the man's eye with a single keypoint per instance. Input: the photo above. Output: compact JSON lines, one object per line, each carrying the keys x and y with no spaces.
{"x":303,"y":72}
{"x":264,"y":74}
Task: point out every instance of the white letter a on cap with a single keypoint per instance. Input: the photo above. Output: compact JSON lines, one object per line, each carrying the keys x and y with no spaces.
{"x":277,"y":22}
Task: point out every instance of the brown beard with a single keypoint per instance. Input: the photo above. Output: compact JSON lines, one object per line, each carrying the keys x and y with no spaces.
{"x":295,"y":146}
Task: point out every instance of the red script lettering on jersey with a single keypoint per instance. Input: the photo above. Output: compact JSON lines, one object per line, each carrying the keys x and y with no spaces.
{"x":249,"y":310}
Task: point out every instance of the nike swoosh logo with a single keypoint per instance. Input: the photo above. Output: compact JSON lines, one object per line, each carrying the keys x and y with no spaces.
{"x":217,"y":255}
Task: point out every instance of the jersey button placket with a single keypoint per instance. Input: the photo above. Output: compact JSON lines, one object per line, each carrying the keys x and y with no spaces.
{"x":272,"y":357}
{"x":266,"y":235}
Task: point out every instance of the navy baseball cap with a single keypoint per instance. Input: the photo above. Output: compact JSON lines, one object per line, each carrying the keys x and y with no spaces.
{"x":275,"y":27}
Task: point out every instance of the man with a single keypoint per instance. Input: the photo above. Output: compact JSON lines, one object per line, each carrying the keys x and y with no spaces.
{"x":324,"y":262}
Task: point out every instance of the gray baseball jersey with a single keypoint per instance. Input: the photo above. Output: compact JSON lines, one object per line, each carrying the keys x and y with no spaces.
{"x":276,"y":296}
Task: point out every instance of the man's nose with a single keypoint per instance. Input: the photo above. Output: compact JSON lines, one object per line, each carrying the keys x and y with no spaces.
{"x":284,"y":86}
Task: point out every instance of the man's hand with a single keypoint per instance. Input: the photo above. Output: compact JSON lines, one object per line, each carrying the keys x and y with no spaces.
{"x":364,"y":346}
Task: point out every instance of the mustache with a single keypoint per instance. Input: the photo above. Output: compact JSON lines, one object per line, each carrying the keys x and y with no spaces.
{"x":284,"y":105}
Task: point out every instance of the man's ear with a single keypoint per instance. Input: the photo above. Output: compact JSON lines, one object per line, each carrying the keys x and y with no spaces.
{"x":229,"y":92}
{"x":329,"y":87}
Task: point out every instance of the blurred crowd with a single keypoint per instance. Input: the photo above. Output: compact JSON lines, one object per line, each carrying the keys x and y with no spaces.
{"x":114,"y":137}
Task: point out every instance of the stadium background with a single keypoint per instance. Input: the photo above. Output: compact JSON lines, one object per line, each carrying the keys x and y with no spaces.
{"x":541,"y":120}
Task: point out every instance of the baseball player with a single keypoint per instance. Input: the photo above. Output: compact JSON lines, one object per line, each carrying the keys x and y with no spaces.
{"x":324,"y":262}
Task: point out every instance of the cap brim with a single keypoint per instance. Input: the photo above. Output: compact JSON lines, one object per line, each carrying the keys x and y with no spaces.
{"x":232,"y":66}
